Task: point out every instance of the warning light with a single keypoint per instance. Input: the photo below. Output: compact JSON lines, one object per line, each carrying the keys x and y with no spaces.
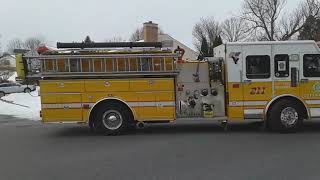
{"x":236,"y":85}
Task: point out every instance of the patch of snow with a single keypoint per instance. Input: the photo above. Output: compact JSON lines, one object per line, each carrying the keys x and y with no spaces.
{"x":21,"y":105}
{"x":13,"y":77}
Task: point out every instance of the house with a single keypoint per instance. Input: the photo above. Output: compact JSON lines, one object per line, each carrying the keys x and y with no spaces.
{"x":7,"y":62}
{"x":190,"y":54}
{"x":151,"y":34}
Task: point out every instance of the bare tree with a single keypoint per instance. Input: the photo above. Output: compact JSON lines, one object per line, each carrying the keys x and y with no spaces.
{"x":292,"y":24}
{"x":14,"y":44}
{"x":268,"y":21}
{"x":207,"y":29}
{"x":116,"y":39}
{"x":33,"y":43}
{"x":263,"y":17}
{"x":235,"y":29}
{"x":137,"y":35}
{"x":310,"y":8}
{"x":4,"y":76}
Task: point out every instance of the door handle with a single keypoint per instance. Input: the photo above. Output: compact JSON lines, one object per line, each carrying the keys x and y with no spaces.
{"x":151,"y":82}
{"x":304,"y":80}
{"x":294,"y":77}
{"x":247,"y":81}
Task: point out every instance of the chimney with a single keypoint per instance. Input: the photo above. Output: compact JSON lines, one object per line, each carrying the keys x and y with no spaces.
{"x":150,"y":31}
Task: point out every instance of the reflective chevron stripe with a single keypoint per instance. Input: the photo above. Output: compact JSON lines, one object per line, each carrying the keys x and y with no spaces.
{"x":247,"y":103}
{"x":62,"y":106}
{"x":313,"y":102}
{"x":131,"y":104}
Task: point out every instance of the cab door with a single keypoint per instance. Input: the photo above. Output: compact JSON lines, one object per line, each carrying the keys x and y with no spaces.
{"x":310,"y":82}
{"x":256,"y":80}
{"x":286,"y":71}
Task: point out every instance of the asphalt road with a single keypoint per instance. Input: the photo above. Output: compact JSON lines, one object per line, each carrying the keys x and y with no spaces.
{"x":188,"y":151}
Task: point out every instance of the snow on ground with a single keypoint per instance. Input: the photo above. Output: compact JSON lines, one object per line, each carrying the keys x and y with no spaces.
{"x":13,"y":77}
{"x":21,"y":105}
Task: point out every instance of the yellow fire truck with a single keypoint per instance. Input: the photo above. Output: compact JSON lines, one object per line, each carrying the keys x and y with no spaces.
{"x":115,"y":86}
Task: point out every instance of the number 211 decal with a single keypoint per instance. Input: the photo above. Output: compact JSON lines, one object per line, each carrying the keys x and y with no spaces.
{"x":258,"y":90}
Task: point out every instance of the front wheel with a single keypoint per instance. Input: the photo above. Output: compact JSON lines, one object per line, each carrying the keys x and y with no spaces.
{"x":285,"y":116}
{"x":112,"y":119}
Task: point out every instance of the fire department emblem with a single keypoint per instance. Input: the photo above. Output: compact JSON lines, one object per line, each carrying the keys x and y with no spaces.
{"x":316,"y":87}
{"x":235,"y":56}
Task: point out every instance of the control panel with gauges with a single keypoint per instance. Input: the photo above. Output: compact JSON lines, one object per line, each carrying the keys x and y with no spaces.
{"x":205,"y":97}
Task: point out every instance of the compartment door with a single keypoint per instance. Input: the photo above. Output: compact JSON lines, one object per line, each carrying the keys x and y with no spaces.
{"x":61,"y":108}
{"x":147,"y":106}
{"x":166,"y":105}
{"x":156,"y":99}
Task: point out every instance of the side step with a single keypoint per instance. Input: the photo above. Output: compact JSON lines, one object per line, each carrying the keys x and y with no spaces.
{"x":203,"y":119}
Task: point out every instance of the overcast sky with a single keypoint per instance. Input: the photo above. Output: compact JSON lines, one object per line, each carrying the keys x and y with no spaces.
{"x":72,"y":20}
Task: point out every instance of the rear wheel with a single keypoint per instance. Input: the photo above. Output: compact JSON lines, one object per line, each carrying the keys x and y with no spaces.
{"x":285,"y":116}
{"x":27,"y":90}
{"x":112,"y":119}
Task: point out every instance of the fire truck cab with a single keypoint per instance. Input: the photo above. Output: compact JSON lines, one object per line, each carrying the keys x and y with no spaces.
{"x":277,"y":82}
{"x":115,"y":89}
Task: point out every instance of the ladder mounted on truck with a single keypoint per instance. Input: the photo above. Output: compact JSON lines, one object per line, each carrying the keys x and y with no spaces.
{"x":95,"y":62}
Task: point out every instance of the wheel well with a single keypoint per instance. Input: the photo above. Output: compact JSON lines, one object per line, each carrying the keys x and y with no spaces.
{"x":106,"y":103}
{"x":290,"y":98}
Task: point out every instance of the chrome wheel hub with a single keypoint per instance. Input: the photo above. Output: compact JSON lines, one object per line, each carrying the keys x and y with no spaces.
{"x":112,"y":119}
{"x":289,"y":117}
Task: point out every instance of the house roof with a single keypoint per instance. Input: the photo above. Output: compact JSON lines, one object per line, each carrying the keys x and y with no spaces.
{"x":168,"y":37}
{"x":7,"y":55}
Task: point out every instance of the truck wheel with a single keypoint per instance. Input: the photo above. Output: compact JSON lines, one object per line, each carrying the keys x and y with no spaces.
{"x":27,"y":90}
{"x":285,"y":116}
{"x":112,"y":119}
{"x":2,"y":94}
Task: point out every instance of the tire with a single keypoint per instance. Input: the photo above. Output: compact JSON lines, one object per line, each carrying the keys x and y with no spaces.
{"x":112,"y":119}
{"x":27,"y":90}
{"x":2,"y":94}
{"x":285,"y":116}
